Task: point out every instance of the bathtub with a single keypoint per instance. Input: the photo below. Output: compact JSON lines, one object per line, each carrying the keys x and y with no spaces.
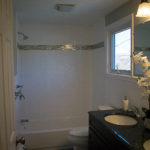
{"x":47,"y":139}
{"x":42,"y":134}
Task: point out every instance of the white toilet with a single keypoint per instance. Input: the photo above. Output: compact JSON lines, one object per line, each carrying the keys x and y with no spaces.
{"x":78,"y":137}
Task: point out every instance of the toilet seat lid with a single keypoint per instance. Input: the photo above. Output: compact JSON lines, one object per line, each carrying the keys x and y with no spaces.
{"x":79,"y":132}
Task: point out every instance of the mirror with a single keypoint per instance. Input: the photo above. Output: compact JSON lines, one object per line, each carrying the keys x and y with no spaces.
{"x":141,"y":43}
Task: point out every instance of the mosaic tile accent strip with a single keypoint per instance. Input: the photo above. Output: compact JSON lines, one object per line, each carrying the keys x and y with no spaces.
{"x":61,"y":47}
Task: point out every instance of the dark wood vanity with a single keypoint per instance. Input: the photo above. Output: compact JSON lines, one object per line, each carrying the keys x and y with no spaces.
{"x":106,"y":136}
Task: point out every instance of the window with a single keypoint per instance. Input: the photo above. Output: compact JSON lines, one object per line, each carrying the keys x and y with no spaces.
{"x":121,"y":51}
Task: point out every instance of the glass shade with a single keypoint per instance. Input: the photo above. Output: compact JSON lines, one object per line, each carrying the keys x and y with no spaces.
{"x":143,"y":10}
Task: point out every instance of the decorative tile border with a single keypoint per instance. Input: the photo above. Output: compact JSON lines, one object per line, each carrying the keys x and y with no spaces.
{"x":61,"y":47}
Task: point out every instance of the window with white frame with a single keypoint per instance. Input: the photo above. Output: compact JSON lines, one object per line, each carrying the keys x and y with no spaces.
{"x":119,"y":46}
{"x":121,"y":51}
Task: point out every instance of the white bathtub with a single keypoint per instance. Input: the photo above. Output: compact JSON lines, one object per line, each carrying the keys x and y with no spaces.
{"x":40,"y":134}
{"x":46,"y":139}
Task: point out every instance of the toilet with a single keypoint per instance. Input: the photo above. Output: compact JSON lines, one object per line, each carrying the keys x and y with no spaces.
{"x":78,"y":137}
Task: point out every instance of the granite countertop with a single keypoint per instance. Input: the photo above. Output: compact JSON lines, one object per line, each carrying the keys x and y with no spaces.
{"x":134,"y":136}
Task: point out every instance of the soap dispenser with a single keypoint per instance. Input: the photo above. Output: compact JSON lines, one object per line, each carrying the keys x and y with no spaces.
{"x":125,"y":103}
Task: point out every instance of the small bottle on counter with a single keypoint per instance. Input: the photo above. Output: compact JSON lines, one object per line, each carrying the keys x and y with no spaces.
{"x":125,"y":103}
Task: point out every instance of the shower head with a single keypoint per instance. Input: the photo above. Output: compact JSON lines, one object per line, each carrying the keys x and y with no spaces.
{"x":25,"y":37}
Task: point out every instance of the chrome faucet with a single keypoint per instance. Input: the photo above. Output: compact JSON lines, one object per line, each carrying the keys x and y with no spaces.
{"x":136,"y":111}
{"x":18,"y":93}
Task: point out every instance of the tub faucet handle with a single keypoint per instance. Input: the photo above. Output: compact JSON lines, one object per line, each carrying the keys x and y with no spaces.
{"x":20,"y":140}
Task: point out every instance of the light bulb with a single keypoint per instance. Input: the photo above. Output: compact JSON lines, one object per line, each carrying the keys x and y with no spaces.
{"x":143,"y":10}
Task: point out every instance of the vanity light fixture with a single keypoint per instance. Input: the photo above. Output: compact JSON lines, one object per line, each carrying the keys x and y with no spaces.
{"x":143,"y":9}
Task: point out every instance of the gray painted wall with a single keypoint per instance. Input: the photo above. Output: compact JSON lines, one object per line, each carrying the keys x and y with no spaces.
{"x":117,"y":87}
{"x":125,"y":10}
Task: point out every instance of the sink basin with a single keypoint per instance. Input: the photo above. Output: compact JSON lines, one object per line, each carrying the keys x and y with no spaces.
{"x":146,"y":145}
{"x":121,"y":120}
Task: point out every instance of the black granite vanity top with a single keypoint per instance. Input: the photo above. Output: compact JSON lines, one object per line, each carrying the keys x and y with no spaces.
{"x":134,"y":136}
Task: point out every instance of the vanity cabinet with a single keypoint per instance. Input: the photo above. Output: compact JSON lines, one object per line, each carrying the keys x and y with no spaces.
{"x":96,"y":142}
{"x":103,"y":138}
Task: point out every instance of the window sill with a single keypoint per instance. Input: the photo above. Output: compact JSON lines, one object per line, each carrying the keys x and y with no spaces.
{"x":121,"y":77}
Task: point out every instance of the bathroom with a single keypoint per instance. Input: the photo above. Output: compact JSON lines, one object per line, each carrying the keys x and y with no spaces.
{"x":60,"y":86}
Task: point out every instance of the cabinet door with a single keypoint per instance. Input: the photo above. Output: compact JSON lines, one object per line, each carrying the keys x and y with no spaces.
{"x":96,"y":142}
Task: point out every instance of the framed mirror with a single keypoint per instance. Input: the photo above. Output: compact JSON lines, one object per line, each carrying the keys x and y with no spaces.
{"x":141,"y":42}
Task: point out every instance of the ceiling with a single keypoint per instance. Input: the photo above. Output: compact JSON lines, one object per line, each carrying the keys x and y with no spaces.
{"x":85,"y":11}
